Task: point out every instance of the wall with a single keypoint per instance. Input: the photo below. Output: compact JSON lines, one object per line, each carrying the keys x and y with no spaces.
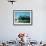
{"x":38,"y":29}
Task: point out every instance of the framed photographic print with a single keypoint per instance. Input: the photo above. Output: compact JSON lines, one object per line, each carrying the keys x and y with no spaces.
{"x":22,"y":16}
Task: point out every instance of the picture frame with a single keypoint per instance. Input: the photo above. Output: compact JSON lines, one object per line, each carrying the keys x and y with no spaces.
{"x":22,"y":17}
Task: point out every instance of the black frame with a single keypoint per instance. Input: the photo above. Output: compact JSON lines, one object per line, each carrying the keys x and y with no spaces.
{"x":24,"y":10}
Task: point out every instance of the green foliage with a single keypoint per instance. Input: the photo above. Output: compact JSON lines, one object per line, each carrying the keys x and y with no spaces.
{"x":24,"y":19}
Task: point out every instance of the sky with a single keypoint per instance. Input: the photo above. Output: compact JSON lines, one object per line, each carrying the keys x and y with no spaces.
{"x":22,"y":13}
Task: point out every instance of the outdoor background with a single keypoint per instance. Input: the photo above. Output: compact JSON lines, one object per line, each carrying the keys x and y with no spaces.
{"x":22,"y":16}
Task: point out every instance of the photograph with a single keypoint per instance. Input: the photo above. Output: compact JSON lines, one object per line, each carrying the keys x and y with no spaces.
{"x":22,"y":16}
